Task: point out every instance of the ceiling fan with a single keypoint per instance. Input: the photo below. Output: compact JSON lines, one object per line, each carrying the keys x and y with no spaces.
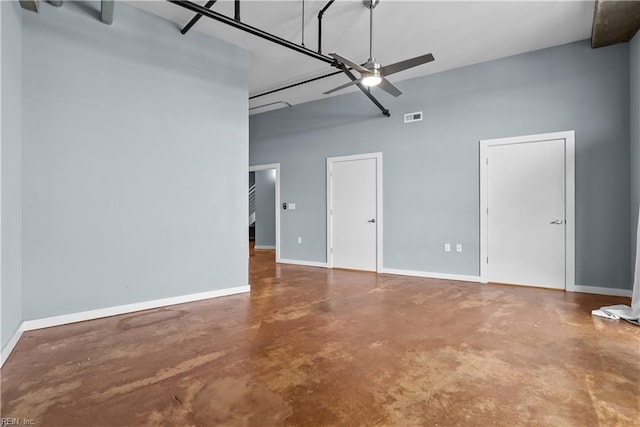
{"x":372,"y":73}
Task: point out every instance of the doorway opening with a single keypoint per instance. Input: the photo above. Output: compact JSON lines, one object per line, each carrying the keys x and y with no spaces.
{"x":264,"y":200}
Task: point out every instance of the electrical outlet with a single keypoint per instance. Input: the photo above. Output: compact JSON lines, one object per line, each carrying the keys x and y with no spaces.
{"x":447,"y":247}
{"x":299,"y":240}
{"x":459,"y":247}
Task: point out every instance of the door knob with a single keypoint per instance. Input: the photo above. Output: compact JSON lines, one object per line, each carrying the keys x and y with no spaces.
{"x":557,"y":221}
{"x":372,"y":220}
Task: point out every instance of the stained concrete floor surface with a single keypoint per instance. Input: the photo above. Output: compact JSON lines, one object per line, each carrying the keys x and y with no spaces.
{"x":317,"y":347}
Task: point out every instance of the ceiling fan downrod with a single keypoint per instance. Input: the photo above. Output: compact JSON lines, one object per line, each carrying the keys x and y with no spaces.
{"x":371,"y":4}
{"x":374,"y":68}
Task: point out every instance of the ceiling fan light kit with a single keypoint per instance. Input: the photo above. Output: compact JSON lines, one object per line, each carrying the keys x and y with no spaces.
{"x":372,"y":80}
{"x":372,"y":73}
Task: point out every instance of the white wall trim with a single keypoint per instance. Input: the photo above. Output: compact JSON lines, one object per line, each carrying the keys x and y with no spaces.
{"x":379,"y":213}
{"x":601,"y":291}
{"x":304,"y":263}
{"x":430,"y":275}
{"x":569,"y":137}
{"x":64,"y":319}
{"x":47,"y":322}
{"x":129,"y":308}
{"x":8,"y":348}
{"x":275,"y":166}
{"x":258,"y":247}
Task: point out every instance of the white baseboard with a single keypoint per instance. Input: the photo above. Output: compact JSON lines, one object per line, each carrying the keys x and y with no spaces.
{"x":601,"y":291}
{"x":8,"y":348}
{"x":305,"y":263}
{"x":459,"y":277}
{"x":263,"y":247}
{"x":64,"y":319}
{"x":47,"y":322}
{"x":446,"y":276}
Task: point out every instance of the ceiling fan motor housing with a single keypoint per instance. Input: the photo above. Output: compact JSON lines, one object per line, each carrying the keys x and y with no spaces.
{"x":372,"y":66}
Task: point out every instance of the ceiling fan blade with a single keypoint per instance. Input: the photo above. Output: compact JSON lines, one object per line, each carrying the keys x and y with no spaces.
{"x":387,"y":86}
{"x":346,"y":85}
{"x":349,"y":63}
{"x":406,"y":64}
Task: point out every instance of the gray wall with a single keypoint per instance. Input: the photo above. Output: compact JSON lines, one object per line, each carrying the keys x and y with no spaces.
{"x":11,"y":140}
{"x":431,"y":184}
{"x":634,"y":73}
{"x":265,"y":208}
{"x":134,"y":160}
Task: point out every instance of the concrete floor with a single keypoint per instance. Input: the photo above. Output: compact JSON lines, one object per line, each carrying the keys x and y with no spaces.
{"x":310,"y":346}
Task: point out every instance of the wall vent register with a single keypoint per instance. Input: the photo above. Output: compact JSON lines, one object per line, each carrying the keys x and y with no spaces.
{"x":413,"y":117}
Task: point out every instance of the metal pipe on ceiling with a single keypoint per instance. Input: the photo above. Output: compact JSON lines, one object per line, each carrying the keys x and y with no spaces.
{"x":296,"y":84}
{"x":313,"y":79}
{"x":32,"y":5}
{"x":197,"y":17}
{"x":236,"y":10}
{"x":253,"y":30}
{"x":106,"y":11}
{"x":320,"y":14}
{"x":302,"y":42}
{"x":270,"y":104}
{"x":282,"y":42}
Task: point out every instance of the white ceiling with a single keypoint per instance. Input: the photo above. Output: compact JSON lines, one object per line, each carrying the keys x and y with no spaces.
{"x":458,"y":33}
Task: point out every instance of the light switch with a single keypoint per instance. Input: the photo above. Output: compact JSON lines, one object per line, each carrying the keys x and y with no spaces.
{"x":299,"y":240}
{"x":447,"y":247}
{"x":291,"y":206}
{"x":459,"y":247}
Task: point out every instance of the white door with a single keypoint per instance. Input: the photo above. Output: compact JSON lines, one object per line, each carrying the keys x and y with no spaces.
{"x":526,"y":213}
{"x":353,"y":207}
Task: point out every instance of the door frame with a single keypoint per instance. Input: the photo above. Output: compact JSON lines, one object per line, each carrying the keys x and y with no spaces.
{"x":570,"y":197}
{"x":275,"y":166}
{"x":379,"y":218}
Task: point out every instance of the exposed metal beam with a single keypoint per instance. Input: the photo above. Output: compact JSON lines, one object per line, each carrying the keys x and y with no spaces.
{"x":197,"y":17}
{"x":366,"y":91}
{"x":106,"y":11}
{"x":614,"y":22}
{"x":31,"y":5}
{"x":253,"y":30}
{"x":56,"y":3}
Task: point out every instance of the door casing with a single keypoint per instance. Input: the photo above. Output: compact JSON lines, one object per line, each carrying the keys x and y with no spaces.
{"x":569,"y":138}
{"x":275,"y":166}
{"x":379,"y":217}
